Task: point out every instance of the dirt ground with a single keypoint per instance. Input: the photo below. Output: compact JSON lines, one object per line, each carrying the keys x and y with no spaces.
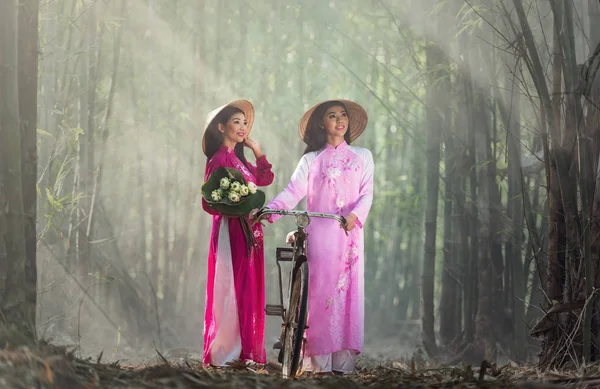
{"x":54,"y":367}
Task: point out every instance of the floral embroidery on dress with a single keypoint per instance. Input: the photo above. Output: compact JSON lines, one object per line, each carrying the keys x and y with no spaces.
{"x":351,"y":255}
{"x":259,"y":237}
{"x":338,"y":164}
{"x":331,"y":174}
{"x":342,"y":283}
{"x":350,"y":258}
{"x":340,"y":203}
{"x":348,"y":164}
{"x":328,"y":303}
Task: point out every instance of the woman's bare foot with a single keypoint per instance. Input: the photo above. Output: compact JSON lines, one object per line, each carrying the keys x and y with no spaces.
{"x":274,"y":365}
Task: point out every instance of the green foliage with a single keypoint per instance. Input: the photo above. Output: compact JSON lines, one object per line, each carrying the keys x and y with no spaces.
{"x":185,"y":58}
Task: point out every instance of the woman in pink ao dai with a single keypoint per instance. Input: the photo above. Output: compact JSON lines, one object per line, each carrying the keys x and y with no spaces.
{"x":336,"y":178}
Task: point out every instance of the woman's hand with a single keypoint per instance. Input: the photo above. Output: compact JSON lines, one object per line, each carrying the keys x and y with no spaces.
{"x":252,"y":216}
{"x":254,"y":146}
{"x":291,"y":237}
{"x":351,"y":221}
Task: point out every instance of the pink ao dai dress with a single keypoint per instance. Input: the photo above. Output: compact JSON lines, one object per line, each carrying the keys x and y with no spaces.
{"x":337,"y":180}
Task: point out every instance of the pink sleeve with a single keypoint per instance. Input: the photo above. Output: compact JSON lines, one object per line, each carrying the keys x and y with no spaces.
{"x":294,"y":192}
{"x":362,"y":207}
{"x":211,"y":166}
{"x":262,"y":171}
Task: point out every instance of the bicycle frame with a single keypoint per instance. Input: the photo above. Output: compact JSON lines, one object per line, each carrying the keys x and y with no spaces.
{"x":296,"y":255}
{"x":299,"y":258}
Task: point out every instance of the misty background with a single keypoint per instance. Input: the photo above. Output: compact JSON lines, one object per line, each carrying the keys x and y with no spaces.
{"x":454,"y":125}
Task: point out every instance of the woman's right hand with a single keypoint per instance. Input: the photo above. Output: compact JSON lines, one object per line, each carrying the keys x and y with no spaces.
{"x":254,"y":146}
{"x":291,"y":237}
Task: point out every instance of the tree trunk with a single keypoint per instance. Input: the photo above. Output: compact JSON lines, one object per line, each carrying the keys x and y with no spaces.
{"x":468,"y":188}
{"x":484,"y":323}
{"x":448,"y":323}
{"x":594,"y":15}
{"x":415,"y":250}
{"x":435,"y":59}
{"x":28,"y":81}
{"x":461,"y":224}
{"x":514,"y":207}
{"x":16,"y":302}
{"x":86,"y":143}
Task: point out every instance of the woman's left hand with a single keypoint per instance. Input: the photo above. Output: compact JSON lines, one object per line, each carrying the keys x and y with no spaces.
{"x":351,"y":221}
{"x":254,"y":146}
{"x":252,"y":216}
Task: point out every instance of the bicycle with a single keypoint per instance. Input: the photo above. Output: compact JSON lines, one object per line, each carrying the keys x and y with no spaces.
{"x":294,"y":314}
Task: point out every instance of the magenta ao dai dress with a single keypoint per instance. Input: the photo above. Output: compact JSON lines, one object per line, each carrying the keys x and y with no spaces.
{"x":234,"y":317}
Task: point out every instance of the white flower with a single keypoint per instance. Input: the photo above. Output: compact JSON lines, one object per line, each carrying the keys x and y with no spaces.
{"x":340,"y":203}
{"x":252,"y":187}
{"x":216,"y":195}
{"x":224,"y":183}
{"x":244,"y":190}
{"x":234,"y":197}
{"x":235,"y":186}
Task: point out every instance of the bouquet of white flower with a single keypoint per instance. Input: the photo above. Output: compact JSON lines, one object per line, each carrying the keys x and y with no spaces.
{"x":227,"y":191}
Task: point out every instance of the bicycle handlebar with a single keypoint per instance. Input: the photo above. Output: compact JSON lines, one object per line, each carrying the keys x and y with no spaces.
{"x":268,"y":211}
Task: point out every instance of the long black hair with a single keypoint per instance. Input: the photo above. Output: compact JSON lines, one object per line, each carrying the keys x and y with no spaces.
{"x":214,"y":137}
{"x":315,"y":137}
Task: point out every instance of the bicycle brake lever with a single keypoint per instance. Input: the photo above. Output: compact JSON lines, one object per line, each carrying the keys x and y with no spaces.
{"x":259,"y":215}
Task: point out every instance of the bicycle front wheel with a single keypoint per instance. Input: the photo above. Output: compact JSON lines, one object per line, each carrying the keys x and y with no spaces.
{"x":295,"y":323}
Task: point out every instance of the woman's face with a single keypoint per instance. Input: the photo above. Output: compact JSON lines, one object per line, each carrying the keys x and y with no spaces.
{"x":335,"y":121}
{"x":235,"y":130}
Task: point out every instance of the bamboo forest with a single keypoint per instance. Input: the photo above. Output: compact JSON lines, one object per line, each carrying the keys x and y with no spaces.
{"x":482,"y":242}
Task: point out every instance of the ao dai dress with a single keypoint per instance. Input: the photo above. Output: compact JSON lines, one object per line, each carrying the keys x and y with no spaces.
{"x":234,"y":316}
{"x":338,"y":181}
